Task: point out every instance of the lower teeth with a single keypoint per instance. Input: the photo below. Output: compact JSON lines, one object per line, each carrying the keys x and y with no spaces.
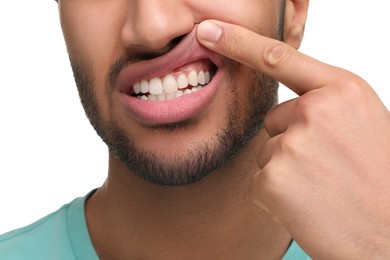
{"x":170,"y":96}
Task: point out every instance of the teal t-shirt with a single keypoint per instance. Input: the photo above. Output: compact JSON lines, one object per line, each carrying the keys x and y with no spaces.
{"x":64,"y":235}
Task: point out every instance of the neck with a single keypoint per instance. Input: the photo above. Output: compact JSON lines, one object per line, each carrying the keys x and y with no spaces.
{"x":211,"y":219}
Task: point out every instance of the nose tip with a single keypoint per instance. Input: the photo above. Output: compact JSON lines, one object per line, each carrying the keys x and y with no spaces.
{"x":153,"y":26}
{"x":149,"y":36}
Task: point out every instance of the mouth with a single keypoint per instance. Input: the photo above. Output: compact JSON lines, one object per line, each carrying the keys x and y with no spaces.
{"x":173,"y":87}
{"x":182,"y":81}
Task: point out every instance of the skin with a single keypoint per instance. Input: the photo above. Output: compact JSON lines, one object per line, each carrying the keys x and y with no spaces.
{"x":129,"y":217}
{"x":94,"y":52}
{"x":324,"y":171}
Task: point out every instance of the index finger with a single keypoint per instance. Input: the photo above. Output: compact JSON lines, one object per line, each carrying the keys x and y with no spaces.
{"x":278,"y":60}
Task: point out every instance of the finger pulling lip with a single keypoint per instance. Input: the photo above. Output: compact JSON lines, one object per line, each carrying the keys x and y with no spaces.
{"x":187,"y":52}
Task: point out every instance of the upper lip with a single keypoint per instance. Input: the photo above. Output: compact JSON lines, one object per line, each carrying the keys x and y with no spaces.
{"x":188,"y":50}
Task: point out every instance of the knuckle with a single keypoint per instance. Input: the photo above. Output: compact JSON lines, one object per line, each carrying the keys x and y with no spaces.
{"x":320,"y":107}
{"x":354,"y":89}
{"x":275,"y":54}
{"x":287,"y":143}
{"x":350,"y":85}
{"x":310,"y":107}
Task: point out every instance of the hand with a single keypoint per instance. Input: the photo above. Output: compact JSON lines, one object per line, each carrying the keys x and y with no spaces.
{"x":325,"y":171}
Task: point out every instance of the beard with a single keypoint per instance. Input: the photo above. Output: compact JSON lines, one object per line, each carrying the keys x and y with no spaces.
{"x":198,"y":159}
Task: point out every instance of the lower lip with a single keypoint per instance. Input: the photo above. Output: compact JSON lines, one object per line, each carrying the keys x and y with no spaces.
{"x":173,"y":111}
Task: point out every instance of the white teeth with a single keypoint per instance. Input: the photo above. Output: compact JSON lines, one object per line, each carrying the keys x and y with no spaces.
{"x":169,"y":84}
{"x":194,"y":89}
{"x":152,"y":97}
{"x":169,"y":87}
{"x":169,"y":96}
{"x":179,"y":93}
{"x":207,"y":77}
{"x":182,"y":81}
{"x":155,"y":86}
{"x":201,"y":78}
{"x":161,"y":97}
{"x":144,"y":86}
{"x":137,"y":88}
{"x":193,"y":78}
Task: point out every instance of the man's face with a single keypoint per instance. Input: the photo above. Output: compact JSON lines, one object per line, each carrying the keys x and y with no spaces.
{"x":135,"y":63}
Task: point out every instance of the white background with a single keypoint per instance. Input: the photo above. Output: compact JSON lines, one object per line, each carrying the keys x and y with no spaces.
{"x":49,"y":154}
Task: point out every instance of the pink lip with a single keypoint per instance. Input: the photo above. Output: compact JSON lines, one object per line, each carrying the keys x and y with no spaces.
{"x":180,"y":109}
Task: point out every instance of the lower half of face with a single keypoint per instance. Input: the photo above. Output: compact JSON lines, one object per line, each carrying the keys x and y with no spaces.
{"x":182,"y":152}
{"x":191,"y":133}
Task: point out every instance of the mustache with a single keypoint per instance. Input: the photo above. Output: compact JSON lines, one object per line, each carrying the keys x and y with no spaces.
{"x":126,"y":61}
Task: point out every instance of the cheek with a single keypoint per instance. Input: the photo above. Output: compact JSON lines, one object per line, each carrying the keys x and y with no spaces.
{"x":91,"y":34}
{"x":260,"y":16}
{"x":244,"y":89}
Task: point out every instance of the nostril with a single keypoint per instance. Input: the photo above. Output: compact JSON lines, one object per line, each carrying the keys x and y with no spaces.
{"x":152,"y":54}
{"x":176,"y":41}
{"x":157,"y":53}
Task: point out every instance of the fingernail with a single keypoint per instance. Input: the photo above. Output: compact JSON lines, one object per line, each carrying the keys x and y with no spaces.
{"x":209,"y":31}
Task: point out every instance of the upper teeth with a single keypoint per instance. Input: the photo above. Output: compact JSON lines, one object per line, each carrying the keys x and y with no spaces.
{"x":170,"y":86}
